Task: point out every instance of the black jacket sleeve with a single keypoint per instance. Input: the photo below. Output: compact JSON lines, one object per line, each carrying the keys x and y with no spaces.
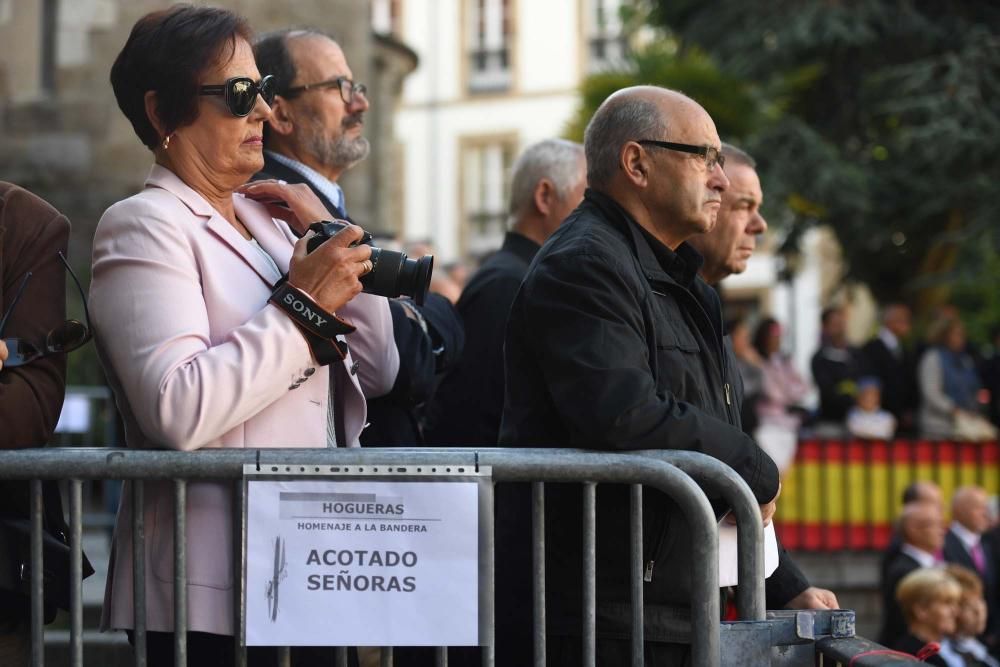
{"x":785,"y":582}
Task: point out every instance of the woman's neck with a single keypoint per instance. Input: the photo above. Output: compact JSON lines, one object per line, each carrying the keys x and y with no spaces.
{"x":218,"y":195}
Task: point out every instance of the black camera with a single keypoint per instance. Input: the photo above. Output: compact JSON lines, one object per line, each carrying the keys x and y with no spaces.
{"x":393,"y":273}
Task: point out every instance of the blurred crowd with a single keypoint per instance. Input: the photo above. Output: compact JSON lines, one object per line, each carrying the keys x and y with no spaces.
{"x":939,"y":580}
{"x":895,"y":385}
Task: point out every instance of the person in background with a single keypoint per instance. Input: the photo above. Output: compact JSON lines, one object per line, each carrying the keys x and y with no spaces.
{"x":921,"y":528}
{"x":887,"y":358}
{"x":314,"y":136}
{"x":971,"y":620}
{"x":948,"y":382}
{"x":867,"y":419}
{"x":966,"y":544}
{"x":779,"y":412}
{"x":989,"y":371}
{"x":836,"y":367}
{"x":751,"y":367}
{"x":32,"y":233}
{"x":929,"y":600}
{"x":547,"y":183}
{"x":195,"y":330}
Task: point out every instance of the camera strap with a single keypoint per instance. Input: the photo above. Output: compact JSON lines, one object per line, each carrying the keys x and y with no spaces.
{"x":306,"y":313}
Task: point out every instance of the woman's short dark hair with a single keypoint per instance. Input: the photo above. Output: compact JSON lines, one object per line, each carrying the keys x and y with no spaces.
{"x":761,"y":335}
{"x":167,"y":52}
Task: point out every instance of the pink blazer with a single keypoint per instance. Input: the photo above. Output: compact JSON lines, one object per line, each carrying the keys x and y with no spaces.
{"x":197,"y":358}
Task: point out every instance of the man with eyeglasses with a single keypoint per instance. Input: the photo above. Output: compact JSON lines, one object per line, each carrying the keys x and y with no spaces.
{"x":314,"y":136}
{"x":725,"y":251}
{"x":32,"y":294}
{"x":615,"y":343}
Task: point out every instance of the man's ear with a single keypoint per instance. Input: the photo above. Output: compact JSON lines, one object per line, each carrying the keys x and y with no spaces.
{"x":282,"y":116}
{"x":544,"y":196}
{"x":634,"y":163}
{"x":149,"y":101}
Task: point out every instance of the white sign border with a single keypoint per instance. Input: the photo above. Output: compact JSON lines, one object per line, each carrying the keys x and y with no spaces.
{"x":481,"y":474}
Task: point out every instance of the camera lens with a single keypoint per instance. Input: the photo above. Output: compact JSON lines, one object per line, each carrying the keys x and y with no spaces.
{"x":396,"y":275}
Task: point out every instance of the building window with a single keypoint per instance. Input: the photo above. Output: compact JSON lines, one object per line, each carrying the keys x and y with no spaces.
{"x":385,"y":17}
{"x":486,"y":166}
{"x":606,"y":38}
{"x":489,"y":45}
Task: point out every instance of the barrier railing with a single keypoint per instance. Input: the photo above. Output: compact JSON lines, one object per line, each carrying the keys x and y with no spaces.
{"x":677,"y":474}
{"x":845,"y":494}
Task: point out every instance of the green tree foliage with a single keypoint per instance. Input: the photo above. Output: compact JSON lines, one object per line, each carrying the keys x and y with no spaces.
{"x":880,"y":118}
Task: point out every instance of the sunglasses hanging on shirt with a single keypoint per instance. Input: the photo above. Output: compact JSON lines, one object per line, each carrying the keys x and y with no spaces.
{"x":64,"y":338}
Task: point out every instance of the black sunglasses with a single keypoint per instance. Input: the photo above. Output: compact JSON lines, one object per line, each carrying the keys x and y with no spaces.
{"x":348,"y":88}
{"x":241,"y":93}
{"x":66,"y":337}
{"x":710,"y":153}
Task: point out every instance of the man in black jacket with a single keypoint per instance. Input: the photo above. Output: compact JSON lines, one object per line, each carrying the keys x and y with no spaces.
{"x":314,"y":136}
{"x":614,"y":343}
{"x":547,"y":183}
{"x":886,"y":357}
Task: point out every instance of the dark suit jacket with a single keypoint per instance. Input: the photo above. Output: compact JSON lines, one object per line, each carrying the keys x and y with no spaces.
{"x":893,"y":623}
{"x":469,"y":403}
{"x":897,"y":376}
{"x":31,"y":235}
{"x":955,"y":552}
{"x":395,"y":419}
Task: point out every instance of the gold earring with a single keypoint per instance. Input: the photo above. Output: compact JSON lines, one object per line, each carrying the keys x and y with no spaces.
{"x":166,"y":142}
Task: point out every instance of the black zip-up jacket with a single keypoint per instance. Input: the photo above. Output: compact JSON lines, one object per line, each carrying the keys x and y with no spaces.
{"x":614,"y":343}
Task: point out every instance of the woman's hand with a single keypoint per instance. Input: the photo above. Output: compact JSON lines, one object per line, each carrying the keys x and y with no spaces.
{"x":331,"y":273}
{"x":3,"y":353}
{"x":295,"y":203}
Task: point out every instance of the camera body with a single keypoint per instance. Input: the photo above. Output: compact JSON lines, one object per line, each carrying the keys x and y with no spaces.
{"x":393,"y":273}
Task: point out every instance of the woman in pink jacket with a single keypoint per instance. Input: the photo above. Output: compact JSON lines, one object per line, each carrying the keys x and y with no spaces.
{"x":191,"y":278}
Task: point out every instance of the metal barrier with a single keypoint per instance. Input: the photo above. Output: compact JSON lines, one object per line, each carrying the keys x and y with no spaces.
{"x":845,"y":494}
{"x":671,"y":472}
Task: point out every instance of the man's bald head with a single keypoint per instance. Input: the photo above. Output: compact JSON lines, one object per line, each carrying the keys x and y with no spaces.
{"x":630,"y":114}
{"x":970,"y":507}
{"x":923,"y":491}
{"x":922,"y":525}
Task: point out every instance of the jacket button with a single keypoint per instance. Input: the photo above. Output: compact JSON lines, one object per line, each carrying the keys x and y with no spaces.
{"x":354,"y":367}
{"x":308,"y":372}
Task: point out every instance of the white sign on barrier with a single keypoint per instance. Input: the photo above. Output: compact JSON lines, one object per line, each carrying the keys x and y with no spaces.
{"x":334,"y":562}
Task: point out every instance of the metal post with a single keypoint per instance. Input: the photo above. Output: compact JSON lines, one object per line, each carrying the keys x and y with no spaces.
{"x":385,"y":657}
{"x":76,"y":572}
{"x":37,"y":568}
{"x":538,"y":559}
{"x":589,"y":574}
{"x":718,"y":478}
{"x":340,"y":656}
{"x":239,"y":590}
{"x":441,"y":656}
{"x":137,"y":489}
{"x":284,"y":656}
{"x":180,"y":573}
{"x":635,"y":574}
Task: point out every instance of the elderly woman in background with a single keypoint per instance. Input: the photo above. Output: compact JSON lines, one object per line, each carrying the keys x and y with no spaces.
{"x":929,"y":599}
{"x":197,"y":347}
{"x":949,"y":385}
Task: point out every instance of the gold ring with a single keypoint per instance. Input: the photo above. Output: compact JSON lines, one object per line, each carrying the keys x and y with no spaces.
{"x":368,"y":267}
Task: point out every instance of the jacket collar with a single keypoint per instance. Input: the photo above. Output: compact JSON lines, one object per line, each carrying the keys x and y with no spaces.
{"x":659,"y":263}
{"x":273,"y":237}
{"x":520,"y":246}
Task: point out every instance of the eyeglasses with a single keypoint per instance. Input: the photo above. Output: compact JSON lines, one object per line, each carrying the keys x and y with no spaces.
{"x":66,"y":337}
{"x":348,"y":89}
{"x":241,"y":93}
{"x":711,"y":154}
